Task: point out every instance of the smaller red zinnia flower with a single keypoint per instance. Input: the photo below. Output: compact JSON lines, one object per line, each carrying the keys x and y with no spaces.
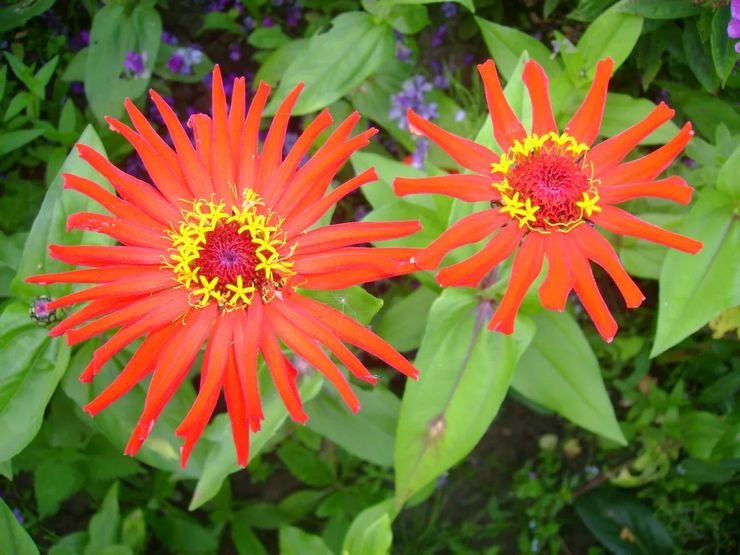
{"x":213,"y":254}
{"x":547,"y":190}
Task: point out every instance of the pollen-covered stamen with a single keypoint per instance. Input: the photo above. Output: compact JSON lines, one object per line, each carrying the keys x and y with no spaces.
{"x":546,"y":183}
{"x":229,"y":256}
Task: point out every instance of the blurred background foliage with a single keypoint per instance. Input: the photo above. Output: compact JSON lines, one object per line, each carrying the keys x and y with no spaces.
{"x":629,"y":447}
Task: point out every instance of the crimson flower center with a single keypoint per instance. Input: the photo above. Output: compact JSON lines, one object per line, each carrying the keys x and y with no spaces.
{"x":227,"y":254}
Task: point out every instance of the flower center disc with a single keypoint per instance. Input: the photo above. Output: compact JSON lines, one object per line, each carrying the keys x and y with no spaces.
{"x":546,"y":183}
{"x":229,"y":256}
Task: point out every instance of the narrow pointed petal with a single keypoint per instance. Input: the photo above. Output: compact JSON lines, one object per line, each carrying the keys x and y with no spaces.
{"x":465,"y":152}
{"x":202,"y":128}
{"x":247,"y":339}
{"x":472,"y":270}
{"x":593,"y":302}
{"x":618,"y":221}
{"x":94,"y":255}
{"x":247,"y":165}
{"x":595,"y":246}
{"x":336,"y":236}
{"x":143,"y":283}
{"x":350,"y":258}
{"x":121,"y":230}
{"x":92,"y":310}
{"x":586,"y":122}
{"x":272,"y":150}
{"x":237,"y":412}
{"x":672,"y":188}
{"x":538,"y":85}
{"x":612,"y":151}
{"x":350,"y":331}
{"x":283,"y":374}
{"x":468,"y":187}
{"x":222,"y":159}
{"x":526,"y":268}
{"x":506,"y":126}
{"x":559,"y":281}
{"x":236,"y":116}
{"x":97,"y":275}
{"x":650,"y":166}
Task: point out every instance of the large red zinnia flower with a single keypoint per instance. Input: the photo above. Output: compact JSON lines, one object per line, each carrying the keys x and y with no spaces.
{"x":546,"y":191}
{"x":213,"y":255}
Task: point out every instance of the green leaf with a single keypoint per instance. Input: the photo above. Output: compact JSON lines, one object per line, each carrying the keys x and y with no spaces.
{"x":184,"y":535}
{"x":723,"y":51}
{"x":611,"y":515}
{"x":623,"y":111}
{"x":469,"y":4}
{"x":370,"y":532}
{"x":116,"y":422}
{"x":306,"y":465}
{"x":404,"y":18}
{"x":14,"y":540}
{"x":13,"y":140}
{"x":369,"y":434}
{"x":611,"y":34}
{"x":696,"y":288}
{"x":706,"y":111}
{"x":116,"y":30}
{"x":465,"y":373}
{"x":221,"y":460}
{"x":133,"y":530}
{"x":642,"y":258}
{"x":727,"y":178}
{"x":506,"y":45}
{"x":246,"y":541}
{"x":660,"y":9}
{"x":698,"y":57}
{"x":50,"y":225}
{"x":560,"y":371}
{"x":6,"y":469}
{"x":355,"y":302}
{"x":294,"y":541}
{"x":268,"y":38}
{"x":31,"y":365}
{"x":335,"y":62}
{"x":225,"y":21}
{"x":273,"y":68}
{"x":700,"y":433}
{"x":53,"y":482}
{"x":403,"y":323}
{"x":103,"y":527}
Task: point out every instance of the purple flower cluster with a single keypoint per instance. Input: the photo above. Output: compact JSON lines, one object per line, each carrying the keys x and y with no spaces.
{"x":169,"y":38}
{"x":449,"y":9}
{"x":79,"y":41}
{"x":733,"y":27}
{"x":135,"y":63}
{"x":412,"y":95}
{"x":439,"y":36}
{"x":403,"y":52}
{"x":183,"y":60}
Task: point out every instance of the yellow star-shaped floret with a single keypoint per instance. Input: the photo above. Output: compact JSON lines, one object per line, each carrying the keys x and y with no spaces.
{"x":588,"y":204}
{"x":240,"y":292}
{"x":208,"y":290}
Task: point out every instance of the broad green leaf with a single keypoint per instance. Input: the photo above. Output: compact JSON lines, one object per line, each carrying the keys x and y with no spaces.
{"x":660,"y":9}
{"x":50,"y":225}
{"x":224,"y":21}
{"x":700,"y":433}
{"x":723,"y":51}
{"x":706,"y":111}
{"x":698,"y":57}
{"x":246,"y":541}
{"x":369,"y":434}
{"x":184,"y":535}
{"x":16,"y":14}
{"x":469,"y":4}
{"x":403,"y":323}
{"x":306,"y":465}
{"x":13,"y":140}
{"x":404,"y":18}
{"x":268,"y":38}
{"x":294,"y":541}
{"x":117,"y":30}
{"x":335,"y":62}
{"x":696,"y":288}
{"x":117,"y":421}
{"x":6,"y":469}
{"x":14,"y":540}
{"x":53,"y":482}
{"x":560,"y":371}
{"x":608,"y":512}
{"x":507,"y":44}
{"x":642,"y":258}
{"x":221,"y":460}
{"x":623,"y":111}
{"x":133,"y":530}
{"x":31,"y":365}
{"x":103,"y":527}
{"x":355,"y":302}
{"x":380,"y":193}
{"x":465,"y":374}
{"x":611,"y":34}
{"x":727,"y":179}
{"x":274,"y":66}
{"x":370,"y":532}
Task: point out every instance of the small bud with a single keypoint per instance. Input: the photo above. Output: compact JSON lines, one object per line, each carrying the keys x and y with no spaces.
{"x":41,"y":313}
{"x":571,"y":448}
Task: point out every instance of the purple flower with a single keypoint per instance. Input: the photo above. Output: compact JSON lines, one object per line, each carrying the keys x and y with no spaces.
{"x":440,"y":81}
{"x":449,"y":9}
{"x":218,"y":5}
{"x":248,"y":23}
{"x":175,"y":63}
{"x":78,"y":42}
{"x":168,"y":38}
{"x":419,"y":156}
{"x":183,"y":60}
{"x":403,"y":52}
{"x":460,"y":115}
{"x":19,"y":516}
{"x":468,"y":59}
{"x":235,"y":52}
{"x":439,"y":36}
{"x":76,"y":87}
{"x":735,"y":9}
{"x":229,"y":79}
{"x":293,"y":15}
{"x":267,"y":22}
{"x":135,"y":62}
{"x":412,"y":95}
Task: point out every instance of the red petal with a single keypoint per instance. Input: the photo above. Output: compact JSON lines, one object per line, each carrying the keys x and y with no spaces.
{"x":593,"y":245}
{"x":123,"y":231}
{"x":469,"y":187}
{"x":612,"y":151}
{"x":470,"y":229}
{"x":222,"y":159}
{"x":236,"y":115}
{"x":143,"y":283}
{"x":465,"y":152}
{"x":237,"y":412}
{"x":559,"y":280}
{"x":526,"y":268}
{"x":593,"y":302}
{"x":336,"y":236}
{"x":201,"y":126}
{"x":247,"y":339}
{"x":586,"y":122}
{"x":618,"y":221}
{"x":283,"y":374}
{"x":97,"y":275}
{"x":506,"y":126}
{"x":93,"y":255}
{"x":247,"y":165}
{"x":672,"y":188}
{"x":535,"y":79}
{"x":472,"y":270}
{"x":648,"y":167}
{"x":93,"y":310}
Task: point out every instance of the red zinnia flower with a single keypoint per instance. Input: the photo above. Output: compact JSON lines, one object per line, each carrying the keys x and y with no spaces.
{"x":546,"y":191}
{"x":213,"y":255}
